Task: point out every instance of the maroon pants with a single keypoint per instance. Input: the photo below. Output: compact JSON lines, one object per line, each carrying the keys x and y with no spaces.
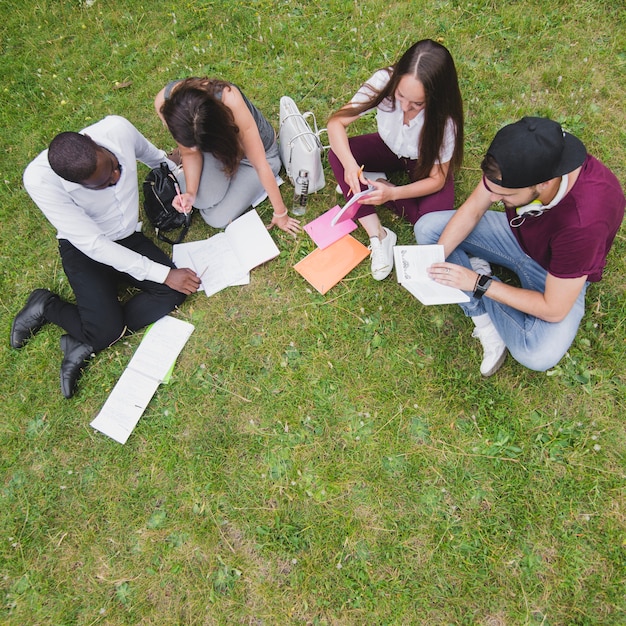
{"x":372,"y":152}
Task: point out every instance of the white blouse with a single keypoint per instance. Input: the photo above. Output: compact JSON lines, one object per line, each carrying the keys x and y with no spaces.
{"x":402,"y":139}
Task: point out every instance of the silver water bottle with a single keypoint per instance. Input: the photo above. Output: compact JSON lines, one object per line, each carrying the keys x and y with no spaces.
{"x":300,"y":193}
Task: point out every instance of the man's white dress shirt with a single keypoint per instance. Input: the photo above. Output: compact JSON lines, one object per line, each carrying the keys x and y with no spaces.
{"x":94,"y":219}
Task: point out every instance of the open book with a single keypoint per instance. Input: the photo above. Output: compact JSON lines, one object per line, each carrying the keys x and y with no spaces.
{"x":411,"y":264}
{"x":227,"y":258}
{"x":149,"y":367}
{"x":349,"y":209}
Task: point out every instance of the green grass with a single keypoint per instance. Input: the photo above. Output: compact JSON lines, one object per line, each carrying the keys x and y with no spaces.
{"x":315,"y":459}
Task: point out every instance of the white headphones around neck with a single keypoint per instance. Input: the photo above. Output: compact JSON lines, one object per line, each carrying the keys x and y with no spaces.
{"x":535,"y":208}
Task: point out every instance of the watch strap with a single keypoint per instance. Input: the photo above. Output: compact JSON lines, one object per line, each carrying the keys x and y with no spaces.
{"x":482,"y":284}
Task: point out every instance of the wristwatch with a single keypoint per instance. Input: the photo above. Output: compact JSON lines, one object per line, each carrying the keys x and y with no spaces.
{"x":482,"y":284}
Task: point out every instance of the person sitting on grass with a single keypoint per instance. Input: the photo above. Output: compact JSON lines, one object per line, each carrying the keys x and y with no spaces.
{"x":562,"y":210}
{"x":419,"y":115}
{"x":86,"y":186}
{"x":228,"y":148}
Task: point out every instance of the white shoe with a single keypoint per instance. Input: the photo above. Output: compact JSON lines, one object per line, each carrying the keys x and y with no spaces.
{"x":382,"y":254}
{"x":480,"y":265}
{"x":494,"y":349}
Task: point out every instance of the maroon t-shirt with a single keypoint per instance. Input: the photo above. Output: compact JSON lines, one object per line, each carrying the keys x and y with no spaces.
{"x":573,"y":238}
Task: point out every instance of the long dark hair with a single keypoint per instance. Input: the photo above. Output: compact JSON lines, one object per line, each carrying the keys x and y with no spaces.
{"x":197,"y":118}
{"x":431,"y":64}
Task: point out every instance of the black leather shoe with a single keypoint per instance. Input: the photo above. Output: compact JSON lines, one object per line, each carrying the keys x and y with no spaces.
{"x":76,"y":355}
{"x":31,"y":318}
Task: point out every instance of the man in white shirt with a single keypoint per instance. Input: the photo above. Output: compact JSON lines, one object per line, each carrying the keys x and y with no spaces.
{"x":86,"y":186}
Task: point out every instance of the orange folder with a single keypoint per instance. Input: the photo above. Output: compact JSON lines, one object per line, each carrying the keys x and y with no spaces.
{"x":325,"y":267}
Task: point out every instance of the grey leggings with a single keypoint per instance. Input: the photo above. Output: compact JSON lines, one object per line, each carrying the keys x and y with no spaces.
{"x":221,"y":199}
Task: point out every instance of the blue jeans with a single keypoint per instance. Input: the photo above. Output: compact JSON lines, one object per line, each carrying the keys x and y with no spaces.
{"x":534,"y":343}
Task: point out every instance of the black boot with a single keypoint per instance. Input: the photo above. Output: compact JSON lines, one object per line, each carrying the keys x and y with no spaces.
{"x":31,"y":318}
{"x":76,"y":355}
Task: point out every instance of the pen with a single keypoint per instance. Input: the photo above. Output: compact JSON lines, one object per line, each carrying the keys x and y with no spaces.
{"x":203,"y":272}
{"x":180,"y":197}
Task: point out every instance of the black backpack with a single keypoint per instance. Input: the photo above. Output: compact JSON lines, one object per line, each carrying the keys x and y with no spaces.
{"x":159,"y":189}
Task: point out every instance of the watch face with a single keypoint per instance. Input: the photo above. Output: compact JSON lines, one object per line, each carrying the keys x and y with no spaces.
{"x":484,"y":280}
{"x":482,"y":285}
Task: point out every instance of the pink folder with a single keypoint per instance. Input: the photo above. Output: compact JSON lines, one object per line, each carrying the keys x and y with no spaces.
{"x":323,"y":234}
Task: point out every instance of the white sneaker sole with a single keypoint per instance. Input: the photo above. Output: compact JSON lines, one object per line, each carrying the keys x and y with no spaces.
{"x":496,"y":366}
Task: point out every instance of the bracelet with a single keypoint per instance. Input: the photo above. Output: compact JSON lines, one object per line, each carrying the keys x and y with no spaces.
{"x":280,"y":214}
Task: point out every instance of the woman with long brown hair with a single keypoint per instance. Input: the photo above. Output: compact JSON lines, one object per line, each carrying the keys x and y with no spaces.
{"x":419,"y":114}
{"x":228,"y":150}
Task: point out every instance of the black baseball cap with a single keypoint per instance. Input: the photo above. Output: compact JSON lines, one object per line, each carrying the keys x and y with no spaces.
{"x":534,"y":150}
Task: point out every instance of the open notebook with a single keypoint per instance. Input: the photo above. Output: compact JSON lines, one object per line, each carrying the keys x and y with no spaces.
{"x":412,"y":263}
{"x":226,"y":259}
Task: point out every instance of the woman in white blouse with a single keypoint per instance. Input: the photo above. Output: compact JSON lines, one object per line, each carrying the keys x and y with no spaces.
{"x":419,"y":115}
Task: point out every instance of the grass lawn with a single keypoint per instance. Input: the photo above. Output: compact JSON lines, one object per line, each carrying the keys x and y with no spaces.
{"x":315,"y":459}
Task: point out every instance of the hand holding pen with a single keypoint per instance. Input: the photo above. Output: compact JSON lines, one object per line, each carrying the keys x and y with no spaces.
{"x":183,"y":202}
{"x":358,"y":179}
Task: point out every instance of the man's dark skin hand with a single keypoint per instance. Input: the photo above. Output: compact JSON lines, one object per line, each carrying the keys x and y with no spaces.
{"x":184,"y":280}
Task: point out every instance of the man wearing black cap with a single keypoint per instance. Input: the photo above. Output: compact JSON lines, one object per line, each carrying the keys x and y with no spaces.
{"x":563,"y":209}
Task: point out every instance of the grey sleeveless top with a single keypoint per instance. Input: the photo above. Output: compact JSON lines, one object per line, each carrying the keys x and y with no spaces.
{"x":266,"y":131}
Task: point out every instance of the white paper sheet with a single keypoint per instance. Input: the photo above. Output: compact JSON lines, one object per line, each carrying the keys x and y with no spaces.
{"x":149,"y":366}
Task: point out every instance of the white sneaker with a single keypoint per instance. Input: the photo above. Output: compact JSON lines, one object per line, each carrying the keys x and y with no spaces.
{"x":494,"y":349}
{"x":480,"y":265}
{"x":382,"y":254}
